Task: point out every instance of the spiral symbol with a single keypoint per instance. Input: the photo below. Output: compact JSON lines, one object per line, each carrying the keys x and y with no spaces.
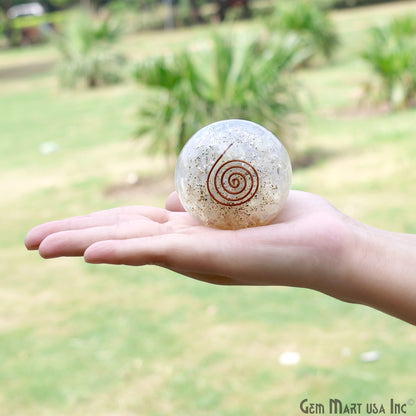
{"x":233,"y":182}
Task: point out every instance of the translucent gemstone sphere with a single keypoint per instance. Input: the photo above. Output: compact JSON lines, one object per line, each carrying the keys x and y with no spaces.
{"x":233,"y":174}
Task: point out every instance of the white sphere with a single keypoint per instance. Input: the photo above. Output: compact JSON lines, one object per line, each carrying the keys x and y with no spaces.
{"x":233,"y":174}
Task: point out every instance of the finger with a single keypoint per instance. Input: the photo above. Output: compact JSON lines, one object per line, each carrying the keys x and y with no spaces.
{"x":100,"y":218}
{"x":191,"y":255}
{"x":174,"y":251}
{"x":214,"y":253}
{"x":35,"y":236}
{"x":75,"y":242}
{"x":105,"y":252}
{"x":173,"y":203}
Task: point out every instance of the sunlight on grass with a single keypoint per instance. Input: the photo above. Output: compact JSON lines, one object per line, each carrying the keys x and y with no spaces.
{"x":78,"y":339}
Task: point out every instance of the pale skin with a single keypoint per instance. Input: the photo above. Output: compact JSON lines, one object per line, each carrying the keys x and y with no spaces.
{"x":310,"y":245}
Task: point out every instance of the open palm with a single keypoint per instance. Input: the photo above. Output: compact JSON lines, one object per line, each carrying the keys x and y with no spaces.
{"x":303,"y":247}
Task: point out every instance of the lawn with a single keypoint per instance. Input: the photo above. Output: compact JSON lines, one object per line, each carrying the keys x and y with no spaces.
{"x":79,"y":339}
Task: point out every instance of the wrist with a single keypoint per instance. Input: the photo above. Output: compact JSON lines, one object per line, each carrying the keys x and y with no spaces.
{"x":380,"y":271}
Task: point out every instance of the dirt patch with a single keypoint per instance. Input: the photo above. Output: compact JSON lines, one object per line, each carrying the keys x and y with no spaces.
{"x":136,"y":190}
{"x":160,"y":186}
{"x":310,"y":157}
{"x":358,"y":112}
{"x":23,"y":71}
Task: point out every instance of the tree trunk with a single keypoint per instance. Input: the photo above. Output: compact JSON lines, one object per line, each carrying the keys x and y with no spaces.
{"x":5,"y":5}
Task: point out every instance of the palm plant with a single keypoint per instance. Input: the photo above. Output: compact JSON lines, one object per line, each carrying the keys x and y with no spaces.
{"x":403,"y":26}
{"x":310,"y":21}
{"x":392,"y":56}
{"x":248,"y":79}
{"x":85,"y":47}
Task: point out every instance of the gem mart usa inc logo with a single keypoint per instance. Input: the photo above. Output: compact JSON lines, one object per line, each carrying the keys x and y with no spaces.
{"x":339,"y":407}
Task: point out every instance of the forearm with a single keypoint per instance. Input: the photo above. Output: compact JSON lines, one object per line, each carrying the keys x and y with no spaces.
{"x":382,"y":272}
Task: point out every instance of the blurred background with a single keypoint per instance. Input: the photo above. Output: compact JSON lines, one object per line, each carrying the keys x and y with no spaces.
{"x":96,"y":100}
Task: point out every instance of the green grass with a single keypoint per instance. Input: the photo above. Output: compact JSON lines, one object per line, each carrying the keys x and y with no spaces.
{"x":78,"y":339}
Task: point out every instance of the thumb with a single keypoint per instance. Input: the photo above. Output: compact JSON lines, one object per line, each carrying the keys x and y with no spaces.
{"x":173,"y":203}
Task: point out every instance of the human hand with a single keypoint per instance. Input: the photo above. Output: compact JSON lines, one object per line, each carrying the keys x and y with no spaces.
{"x":306,"y":246}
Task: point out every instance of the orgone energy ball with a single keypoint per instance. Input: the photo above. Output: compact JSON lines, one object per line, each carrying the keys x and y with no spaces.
{"x":233,"y":174}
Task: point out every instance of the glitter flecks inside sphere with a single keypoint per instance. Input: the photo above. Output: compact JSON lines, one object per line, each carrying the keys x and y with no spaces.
{"x":233,"y":174}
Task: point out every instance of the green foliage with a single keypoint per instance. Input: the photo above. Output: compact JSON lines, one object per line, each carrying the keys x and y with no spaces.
{"x":60,"y":3}
{"x":3,"y":23}
{"x":391,"y":54}
{"x":404,"y":26}
{"x":309,"y":20}
{"x":30,"y":29}
{"x":86,"y":52}
{"x":97,"y":340}
{"x":248,"y":79}
{"x":55,"y":18}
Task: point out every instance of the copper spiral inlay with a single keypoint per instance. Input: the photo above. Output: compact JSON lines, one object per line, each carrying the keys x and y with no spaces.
{"x":233,"y":182}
